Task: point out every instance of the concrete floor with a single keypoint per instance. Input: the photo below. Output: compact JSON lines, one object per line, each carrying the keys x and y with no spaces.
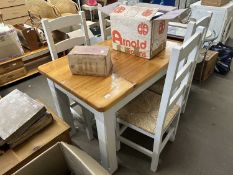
{"x":204,"y":142}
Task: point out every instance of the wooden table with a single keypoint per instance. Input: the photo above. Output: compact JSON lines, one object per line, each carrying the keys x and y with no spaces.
{"x":16,"y":158}
{"x":103,"y":96}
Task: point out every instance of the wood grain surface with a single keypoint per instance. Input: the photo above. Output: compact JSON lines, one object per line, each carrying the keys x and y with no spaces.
{"x":101,"y":93}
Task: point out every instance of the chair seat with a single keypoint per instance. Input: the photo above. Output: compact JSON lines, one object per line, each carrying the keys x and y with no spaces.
{"x":158,"y":86}
{"x":142,"y":112}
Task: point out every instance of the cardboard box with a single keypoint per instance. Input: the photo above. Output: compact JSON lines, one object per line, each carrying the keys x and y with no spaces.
{"x":217,"y":3}
{"x":90,"y":60}
{"x":140,"y":30}
{"x":62,"y":159}
{"x":206,"y":68}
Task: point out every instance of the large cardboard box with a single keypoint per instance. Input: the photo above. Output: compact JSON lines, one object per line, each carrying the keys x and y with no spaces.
{"x":139,"y":30}
{"x":62,"y":159}
{"x":217,"y":3}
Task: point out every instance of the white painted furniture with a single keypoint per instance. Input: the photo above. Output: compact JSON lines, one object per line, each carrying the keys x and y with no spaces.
{"x":91,"y":9}
{"x":105,"y":96}
{"x":78,"y":37}
{"x":60,"y":23}
{"x":191,"y":29}
{"x":153,"y":115}
{"x":221,"y":21}
{"x":104,"y":20}
{"x":105,"y":27}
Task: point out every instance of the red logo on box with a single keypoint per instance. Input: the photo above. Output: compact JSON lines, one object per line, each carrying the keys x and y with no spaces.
{"x":161,"y":27}
{"x":117,"y":38}
{"x":119,"y":9}
{"x":147,"y":12}
{"x":143,"y":28}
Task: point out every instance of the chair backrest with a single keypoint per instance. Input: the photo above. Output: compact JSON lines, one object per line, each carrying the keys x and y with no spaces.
{"x":63,"y":22}
{"x":105,"y":30}
{"x":178,"y":76}
{"x":203,"y":22}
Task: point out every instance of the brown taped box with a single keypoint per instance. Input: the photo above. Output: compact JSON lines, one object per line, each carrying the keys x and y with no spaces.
{"x":29,"y":37}
{"x":206,"y":68}
{"x":10,"y":76}
{"x":217,"y":3}
{"x":90,"y":60}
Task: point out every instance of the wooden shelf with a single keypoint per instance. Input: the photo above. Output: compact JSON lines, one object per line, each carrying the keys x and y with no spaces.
{"x":29,"y":73}
{"x":27,"y":57}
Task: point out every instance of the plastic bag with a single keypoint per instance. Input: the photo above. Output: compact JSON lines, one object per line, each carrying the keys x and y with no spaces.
{"x":223,"y":65}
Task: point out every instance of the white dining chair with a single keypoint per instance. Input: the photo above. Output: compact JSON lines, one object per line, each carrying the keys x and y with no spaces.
{"x":104,"y":23}
{"x":154,"y":115}
{"x":203,"y":22}
{"x":159,"y":85}
{"x":77,"y":22}
{"x":191,"y":29}
{"x":77,"y":37}
{"x":104,"y":19}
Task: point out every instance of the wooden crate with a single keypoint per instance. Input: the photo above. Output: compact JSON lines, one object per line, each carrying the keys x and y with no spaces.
{"x":35,"y":63}
{"x":206,"y":68}
{"x":10,"y":76}
{"x":14,"y":12}
{"x":20,"y":20}
{"x":10,"y":3}
{"x":217,"y":3}
{"x":10,"y":66}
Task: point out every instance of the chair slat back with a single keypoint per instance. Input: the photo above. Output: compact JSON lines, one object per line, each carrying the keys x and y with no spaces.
{"x":178,"y":76}
{"x":63,"y":22}
{"x":105,"y":31}
{"x":204,"y":22}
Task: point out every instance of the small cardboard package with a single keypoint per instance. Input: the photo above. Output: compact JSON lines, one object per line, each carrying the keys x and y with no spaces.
{"x":90,"y":60}
{"x":62,"y":159}
{"x":140,"y":30}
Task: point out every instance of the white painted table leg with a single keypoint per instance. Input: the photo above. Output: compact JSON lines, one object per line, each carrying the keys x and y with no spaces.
{"x":87,"y":115}
{"x":62,"y":105}
{"x":105,"y":123}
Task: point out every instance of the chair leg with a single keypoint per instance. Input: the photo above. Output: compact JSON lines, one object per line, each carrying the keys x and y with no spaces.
{"x":91,"y":15}
{"x":176,"y":123}
{"x":155,"y":154}
{"x":118,"y":143}
{"x":87,"y":115}
{"x":154,"y":162}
